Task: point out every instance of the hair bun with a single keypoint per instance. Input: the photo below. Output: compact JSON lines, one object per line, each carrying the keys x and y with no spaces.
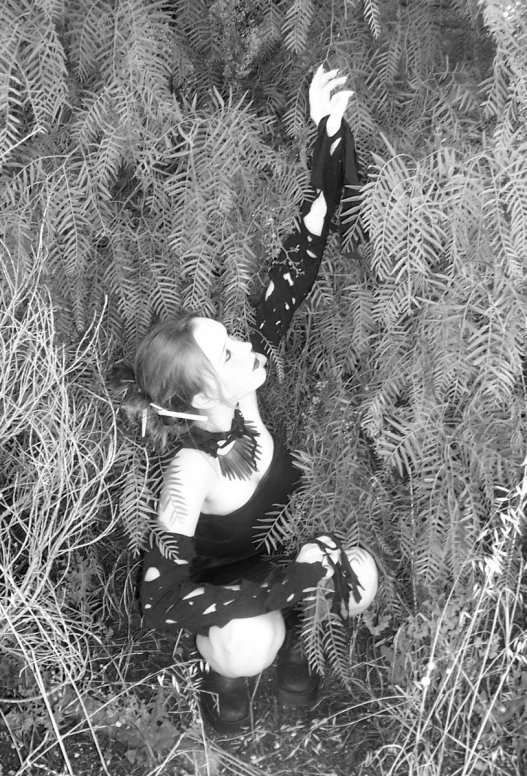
{"x":121,"y":377}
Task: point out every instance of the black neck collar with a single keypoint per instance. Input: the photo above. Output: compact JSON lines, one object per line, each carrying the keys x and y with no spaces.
{"x":236,"y":450}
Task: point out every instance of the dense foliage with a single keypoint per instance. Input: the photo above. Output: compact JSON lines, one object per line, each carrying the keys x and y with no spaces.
{"x":152,"y":157}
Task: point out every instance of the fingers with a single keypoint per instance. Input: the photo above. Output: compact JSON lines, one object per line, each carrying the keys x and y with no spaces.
{"x":322,"y":78}
{"x":324,"y":82}
{"x":333,"y":83}
{"x":339,"y":101}
{"x":327,"y":541}
{"x":338,"y":105}
{"x":321,"y":100}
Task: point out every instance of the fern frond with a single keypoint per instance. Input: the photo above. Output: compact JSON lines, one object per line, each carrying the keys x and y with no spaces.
{"x":325,"y":636}
{"x":43,"y":69}
{"x":362,"y":304}
{"x":428,"y":553}
{"x":164,"y":290}
{"x":316,"y":615}
{"x":137,"y":502}
{"x":93,"y":118}
{"x":197,"y":275}
{"x":269,"y":31}
{"x":238,"y":261}
{"x":372,"y":14}
{"x":496,"y":88}
{"x":400,"y":444}
{"x":11,"y":92}
{"x":112,"y":150}
{"x":173,"y":491}
{"x":295,"y":114}
{"x":513,"y":195}
{"x":89,"y":30}
{"x":337,"y":648}
{"x":146,"y":56}
{"x":296,"y":24}
{"x":196,"y":22}
{"x":274,"y":530}
{"x":71,"y":216}
{"x":123,"y":280}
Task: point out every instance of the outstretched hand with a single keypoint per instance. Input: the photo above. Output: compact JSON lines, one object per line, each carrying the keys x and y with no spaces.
{"x":323,"y":103}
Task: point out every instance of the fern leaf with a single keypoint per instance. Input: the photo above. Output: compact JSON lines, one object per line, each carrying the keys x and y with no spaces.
{"x":164,"y":290}
{"x":295,"y":115}
{"x":146,"y":57}
{"x":172,"y":498}
{"x":195,"y":20}
{"x":372,"y":15}
{"x":316,"y":615}
{"x":337,"y":648}
{"x":296,"y":24}
{"x":270,"y":29}
{"x":137,"y":504}
{"x":11,"y":92}
{"x":112,"y":151}
{"x":274,"y":531}
{"x":89,"y":31}
{"x":43,"y":64}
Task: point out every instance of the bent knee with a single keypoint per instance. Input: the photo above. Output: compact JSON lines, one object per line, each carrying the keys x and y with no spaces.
{"x":243,"y":647}
{"x":364,"y":566}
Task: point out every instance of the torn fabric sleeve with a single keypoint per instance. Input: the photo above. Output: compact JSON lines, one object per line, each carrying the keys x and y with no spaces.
{"x":292,"y":274}
{"x":177,"y":598}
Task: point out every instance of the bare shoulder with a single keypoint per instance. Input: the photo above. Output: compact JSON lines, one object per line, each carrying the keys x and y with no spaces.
{"x":191,"y":461}
{"x":188,"y":480}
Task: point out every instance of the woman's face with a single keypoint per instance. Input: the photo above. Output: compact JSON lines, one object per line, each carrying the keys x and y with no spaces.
{"x":239,"y":370}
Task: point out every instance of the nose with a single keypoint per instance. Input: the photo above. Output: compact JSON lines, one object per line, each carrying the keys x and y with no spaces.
{"x":243,"y":347}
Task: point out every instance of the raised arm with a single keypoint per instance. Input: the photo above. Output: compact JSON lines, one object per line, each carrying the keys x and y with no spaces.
{"x":293,"y":272}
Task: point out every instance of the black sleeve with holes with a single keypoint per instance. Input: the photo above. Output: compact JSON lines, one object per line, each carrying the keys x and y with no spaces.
{"x":175,"y":599}
{"x":292,"y":274}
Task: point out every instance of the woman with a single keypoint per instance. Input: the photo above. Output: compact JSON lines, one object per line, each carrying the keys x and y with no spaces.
{"x":204,"y":570}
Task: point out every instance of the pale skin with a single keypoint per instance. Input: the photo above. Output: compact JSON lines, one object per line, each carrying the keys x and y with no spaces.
{"x":244,"y":647}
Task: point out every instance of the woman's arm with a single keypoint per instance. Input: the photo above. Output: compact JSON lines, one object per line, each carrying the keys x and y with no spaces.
{"x":172,"y":595}
{"x":293,"y":272}
{"x":173,"y":600}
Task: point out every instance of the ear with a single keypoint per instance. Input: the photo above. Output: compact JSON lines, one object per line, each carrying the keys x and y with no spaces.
{"x":204,"y":401}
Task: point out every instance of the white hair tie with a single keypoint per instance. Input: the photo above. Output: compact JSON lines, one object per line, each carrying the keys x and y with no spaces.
{"x":172,"y":414}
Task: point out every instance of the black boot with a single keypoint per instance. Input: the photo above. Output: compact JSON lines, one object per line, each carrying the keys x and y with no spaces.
{"x":225,"y":702}
{"x":296,"y":685}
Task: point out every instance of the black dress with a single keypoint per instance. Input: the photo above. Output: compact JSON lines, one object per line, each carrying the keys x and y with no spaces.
{"x":229,"y":549}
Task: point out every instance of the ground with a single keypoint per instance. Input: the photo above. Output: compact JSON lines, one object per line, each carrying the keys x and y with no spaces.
{"x":330,"y":740}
